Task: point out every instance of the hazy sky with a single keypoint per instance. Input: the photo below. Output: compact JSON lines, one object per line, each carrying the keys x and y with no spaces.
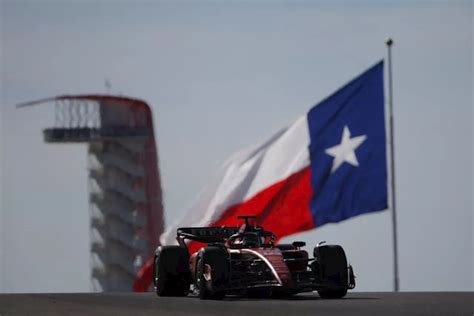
{"x":220,"y":76}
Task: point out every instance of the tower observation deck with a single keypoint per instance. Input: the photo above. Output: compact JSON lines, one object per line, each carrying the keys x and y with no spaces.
{"x":125,"y":199}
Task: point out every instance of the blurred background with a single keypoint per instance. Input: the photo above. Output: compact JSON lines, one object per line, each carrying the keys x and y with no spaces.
{"x":219,"y":76}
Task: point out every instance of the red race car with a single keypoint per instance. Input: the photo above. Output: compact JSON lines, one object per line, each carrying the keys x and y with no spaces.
{"x":245,"y":261}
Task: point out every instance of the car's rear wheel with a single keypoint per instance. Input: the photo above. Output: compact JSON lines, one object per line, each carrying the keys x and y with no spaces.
{"x":171,"y":274}
{"x":330,"y":268}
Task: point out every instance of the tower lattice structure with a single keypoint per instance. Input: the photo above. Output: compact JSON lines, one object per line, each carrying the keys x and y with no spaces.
{"x":125,"y":199}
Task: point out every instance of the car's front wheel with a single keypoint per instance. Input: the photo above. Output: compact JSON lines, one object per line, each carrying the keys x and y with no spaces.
{"x":212,"y":273}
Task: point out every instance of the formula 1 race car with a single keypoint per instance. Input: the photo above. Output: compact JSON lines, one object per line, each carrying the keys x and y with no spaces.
{"x":245,"y":261}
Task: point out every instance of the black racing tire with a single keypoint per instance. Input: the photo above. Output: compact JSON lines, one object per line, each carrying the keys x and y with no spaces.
{"x":331,"y":269}
{"x":171,"y":274}
{"x":217,"y":259}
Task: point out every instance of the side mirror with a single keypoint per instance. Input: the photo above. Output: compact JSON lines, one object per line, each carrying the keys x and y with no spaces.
{"x":299,"y":244}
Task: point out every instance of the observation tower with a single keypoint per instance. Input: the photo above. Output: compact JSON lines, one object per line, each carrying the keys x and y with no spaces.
{"x":125,"y":199}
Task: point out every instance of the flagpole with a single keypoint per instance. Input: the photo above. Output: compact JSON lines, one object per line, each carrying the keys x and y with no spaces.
{"x":396,"y":287}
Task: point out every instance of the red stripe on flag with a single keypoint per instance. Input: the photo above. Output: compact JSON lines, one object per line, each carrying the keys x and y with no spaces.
{"x":282,"y":208}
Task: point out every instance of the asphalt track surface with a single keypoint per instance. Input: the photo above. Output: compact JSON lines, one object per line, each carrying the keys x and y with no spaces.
{"x":418,"y":303}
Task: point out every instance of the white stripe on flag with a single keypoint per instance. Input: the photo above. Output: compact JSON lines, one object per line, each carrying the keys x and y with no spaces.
{"x":246,"y":173}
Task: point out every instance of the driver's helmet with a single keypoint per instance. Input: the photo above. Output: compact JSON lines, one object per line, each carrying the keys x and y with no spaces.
{"x":250,"y":240}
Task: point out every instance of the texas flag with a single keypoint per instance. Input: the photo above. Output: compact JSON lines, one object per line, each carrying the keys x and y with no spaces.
{"x":325,"y":167}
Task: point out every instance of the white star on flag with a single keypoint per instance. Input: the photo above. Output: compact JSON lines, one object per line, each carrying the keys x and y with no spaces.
{"x":345,"y":151}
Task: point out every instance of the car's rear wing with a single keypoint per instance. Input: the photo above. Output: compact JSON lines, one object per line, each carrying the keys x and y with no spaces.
{"x":206,"y":234}
{"x":214,"y":234}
